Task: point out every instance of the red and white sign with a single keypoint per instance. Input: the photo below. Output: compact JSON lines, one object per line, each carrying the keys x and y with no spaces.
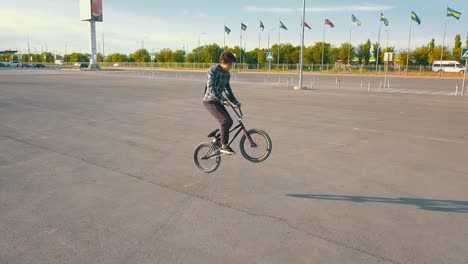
{"x":91,"y":10}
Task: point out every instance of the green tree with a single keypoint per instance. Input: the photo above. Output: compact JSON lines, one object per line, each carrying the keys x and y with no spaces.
{"x":347,"y":51}
{"x":437,"y":51}
{"x":99,"y":57}
{"x":376,"y":47}
{"x":289,"y":54}
{"x":178,"y":56}
{"x":456,"y":52}
{"x":251,"y":57}
{"x":432,"y":54}
{"x":190,"y":58}
{"x":334,"y":55}
{"x":213,"y":51}
{"x":77,"y":57}
{"x":116,"y":57}
{"x":421,"y":55}
{"x":403,"y":56}
{"x":165,"y":55}
{"x":314,"y":53}
{"x":261,"y":56}
{"x":141,"y":55}
{"x":363,"y":52}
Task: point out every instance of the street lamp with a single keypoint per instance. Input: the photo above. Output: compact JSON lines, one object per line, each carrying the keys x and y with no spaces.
{"x":387,"y":37}
{"x":269,"y":37}
{"x":199,"y":45}
{"x":269,"y":61}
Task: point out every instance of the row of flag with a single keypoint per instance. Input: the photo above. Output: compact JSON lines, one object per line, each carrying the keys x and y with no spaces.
{"x":383,"y":18}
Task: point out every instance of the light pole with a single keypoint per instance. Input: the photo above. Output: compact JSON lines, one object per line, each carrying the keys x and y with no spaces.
{"x":199,"y":45}
{"x":302,"y":48}
{"x":269,"y":37}
{"x":386,"y":30}
{"x":269,"y":61}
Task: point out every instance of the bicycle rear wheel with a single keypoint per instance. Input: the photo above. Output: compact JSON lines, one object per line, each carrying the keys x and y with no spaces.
{"x":259,"y":149}
{"x":206,"y":157}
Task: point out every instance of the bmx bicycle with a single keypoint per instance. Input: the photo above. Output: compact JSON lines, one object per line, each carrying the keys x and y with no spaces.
{"x":255,"y":146}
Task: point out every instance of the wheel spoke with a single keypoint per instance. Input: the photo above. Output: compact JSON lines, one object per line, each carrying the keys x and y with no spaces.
{"x":204,"y":158}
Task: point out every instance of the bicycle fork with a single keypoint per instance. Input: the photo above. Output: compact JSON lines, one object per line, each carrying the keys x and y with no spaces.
{"x":249,"y":138}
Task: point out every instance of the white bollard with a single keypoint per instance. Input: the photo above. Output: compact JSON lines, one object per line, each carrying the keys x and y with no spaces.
{"x":380,"y":85}
{"x":388,"y":86}
{"x":456,"y":90}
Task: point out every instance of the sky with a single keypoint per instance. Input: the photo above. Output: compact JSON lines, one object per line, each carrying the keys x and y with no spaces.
{"x":54,"y":25}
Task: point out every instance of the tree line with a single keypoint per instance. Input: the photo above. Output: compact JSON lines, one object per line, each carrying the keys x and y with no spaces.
{"x":364,"y":53}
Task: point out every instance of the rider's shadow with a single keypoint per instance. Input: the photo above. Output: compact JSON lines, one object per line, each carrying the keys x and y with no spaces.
{"x":451,"y":206}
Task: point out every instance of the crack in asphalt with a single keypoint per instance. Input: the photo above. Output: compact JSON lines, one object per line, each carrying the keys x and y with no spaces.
{"x":212,"y":201}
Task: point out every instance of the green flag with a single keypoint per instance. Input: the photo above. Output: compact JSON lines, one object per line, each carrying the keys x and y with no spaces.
{"x":243,"y":26}
{"x":355,"y":20}
{"x":282,"y":26}
{"x":415,"y":18}
{"x":384,"y":19}
{"x":227,"y":30}
{"x":453,"y":13}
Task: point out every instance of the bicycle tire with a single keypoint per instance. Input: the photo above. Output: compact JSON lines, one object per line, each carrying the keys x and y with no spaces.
{"x":200,"y":165}
{"x":262,"y":140}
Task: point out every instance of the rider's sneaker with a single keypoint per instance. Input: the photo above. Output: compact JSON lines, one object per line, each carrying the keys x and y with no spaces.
{"x":227,"y":150}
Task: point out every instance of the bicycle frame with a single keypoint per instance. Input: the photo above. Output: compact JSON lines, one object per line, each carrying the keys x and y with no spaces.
{"x":240,"y":127}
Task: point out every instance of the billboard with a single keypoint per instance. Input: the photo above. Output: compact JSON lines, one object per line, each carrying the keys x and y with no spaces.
{"x":91,"y":10}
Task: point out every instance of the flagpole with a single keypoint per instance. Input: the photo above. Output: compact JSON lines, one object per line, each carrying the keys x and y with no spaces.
{"x":409,"y":43}
{"x":443,"y":42}
{"x":302,"y":47}
{"x":323,"y":44}
{"x":279,"y":44}
{"x":349,"y":47}
{"x":259,"y":44}
{"x":240,"y":45}
{"x":378,"y":45}
{"x":224,"y":34}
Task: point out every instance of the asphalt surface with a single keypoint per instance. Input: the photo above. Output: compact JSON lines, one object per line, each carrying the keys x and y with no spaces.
{"x":97,"y":168}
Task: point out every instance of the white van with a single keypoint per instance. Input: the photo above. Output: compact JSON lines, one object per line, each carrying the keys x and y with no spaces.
{"x":447,"y":66}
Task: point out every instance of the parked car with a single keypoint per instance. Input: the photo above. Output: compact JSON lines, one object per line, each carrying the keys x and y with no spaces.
{"x":37,"y":65}
{"x":15,"y":64}
{"x":83,"y":65}
{"x":3,"y":64}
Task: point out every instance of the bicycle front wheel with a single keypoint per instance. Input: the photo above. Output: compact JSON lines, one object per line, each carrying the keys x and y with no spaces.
{"x":259,"y":148}
{"x":206,"y":157}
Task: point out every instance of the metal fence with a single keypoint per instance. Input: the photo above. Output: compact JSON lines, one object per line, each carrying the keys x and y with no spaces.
{"x":315,"y":68}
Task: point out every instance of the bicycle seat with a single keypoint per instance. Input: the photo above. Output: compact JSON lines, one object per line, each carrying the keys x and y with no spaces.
{"x":212,"y":134}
